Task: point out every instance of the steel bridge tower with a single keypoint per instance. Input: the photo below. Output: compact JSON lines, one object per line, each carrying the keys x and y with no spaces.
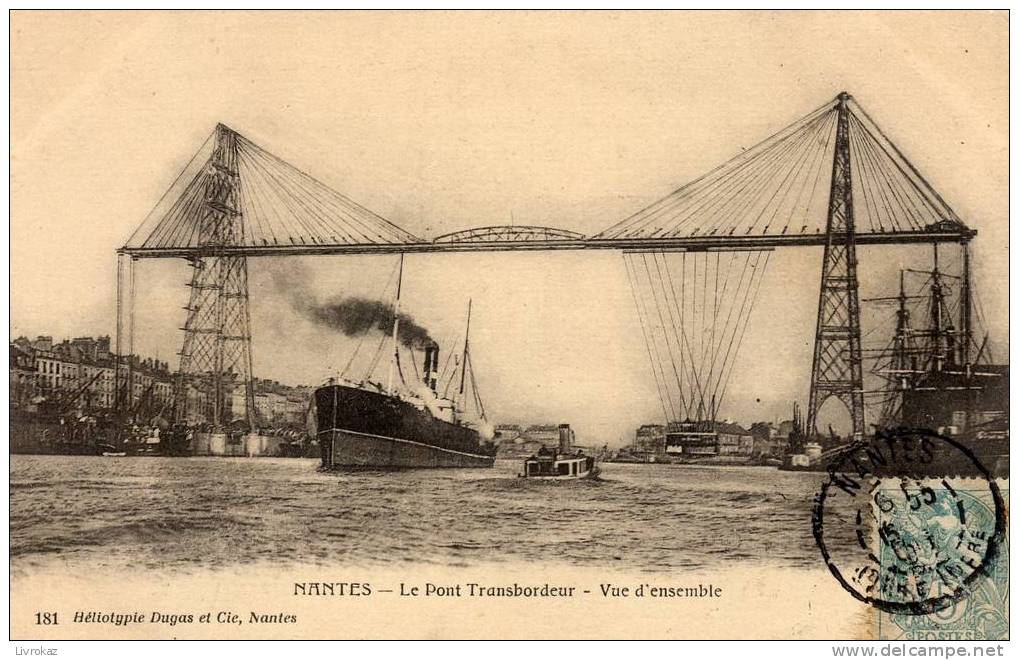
{"x":838,"y":364}
{"x":216,"y":355}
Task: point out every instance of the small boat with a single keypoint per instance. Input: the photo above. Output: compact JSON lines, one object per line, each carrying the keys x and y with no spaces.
{"x":560,"y":463}
{"x":108,"y":449}
{"x":147,"y":446}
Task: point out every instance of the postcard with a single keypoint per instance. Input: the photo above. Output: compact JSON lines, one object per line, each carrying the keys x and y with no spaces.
{"x":509,"y":325}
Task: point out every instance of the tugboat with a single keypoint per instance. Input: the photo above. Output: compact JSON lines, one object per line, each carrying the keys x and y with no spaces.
{"x":560,"y":463}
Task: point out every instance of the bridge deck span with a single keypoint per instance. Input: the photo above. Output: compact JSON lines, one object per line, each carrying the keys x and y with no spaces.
{"x":689,"y":243}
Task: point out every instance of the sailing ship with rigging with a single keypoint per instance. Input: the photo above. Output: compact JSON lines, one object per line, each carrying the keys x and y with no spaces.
{"x":937,"y":376}
{"x":365,"y":425}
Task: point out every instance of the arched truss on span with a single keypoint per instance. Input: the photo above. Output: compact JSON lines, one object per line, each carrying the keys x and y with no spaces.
{"x":508,"y":233}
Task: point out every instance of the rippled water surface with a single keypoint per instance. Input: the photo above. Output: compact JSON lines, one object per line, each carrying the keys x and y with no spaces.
{"x":222,"y":512}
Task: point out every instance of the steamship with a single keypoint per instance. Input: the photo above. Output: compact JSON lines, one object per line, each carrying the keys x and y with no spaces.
{"x":363,"y":425}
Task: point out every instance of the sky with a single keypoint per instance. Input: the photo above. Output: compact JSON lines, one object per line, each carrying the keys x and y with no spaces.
{"x":442,"y":121}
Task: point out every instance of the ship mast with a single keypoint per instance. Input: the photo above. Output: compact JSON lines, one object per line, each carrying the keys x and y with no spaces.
{"x":904,"y":362}
{"x":396,"y":328}
{"x":937,"y":296}
{"x":942,"y":330}
{"x":965,"y":312}
{"x":467,"y":339}
{"x":943,"y":348}
{"x":903,"y":356}
{"x":966,"y":321}
{"x":901,"y":367}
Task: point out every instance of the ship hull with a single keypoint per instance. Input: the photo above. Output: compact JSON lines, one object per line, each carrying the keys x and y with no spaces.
{"x":352,"y":450}
{"x":359,"y":428}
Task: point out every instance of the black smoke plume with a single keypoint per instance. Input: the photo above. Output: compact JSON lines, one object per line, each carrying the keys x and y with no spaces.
{"x":353,"y":316}
{"x":356,"y":316}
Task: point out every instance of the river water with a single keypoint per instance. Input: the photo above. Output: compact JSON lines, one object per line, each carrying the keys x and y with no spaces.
{"x":196,"y":513}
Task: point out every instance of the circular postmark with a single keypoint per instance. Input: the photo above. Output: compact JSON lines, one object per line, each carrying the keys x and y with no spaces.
{"x":898,"y":531}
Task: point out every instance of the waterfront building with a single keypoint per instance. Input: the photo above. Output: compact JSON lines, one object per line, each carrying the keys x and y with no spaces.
{"x":650,"y":439}
{"x":771,"y":439}
{"x":81,"y":373}
{"x":80,"y":376}
{"x":276,"y":404}
{"x":98,"y":382}
{"x":516,"y":441}
{"x":52,"y":373}
{"x":507,"y":432}
{"x":544,"y":434}
{"x":22,"y":377}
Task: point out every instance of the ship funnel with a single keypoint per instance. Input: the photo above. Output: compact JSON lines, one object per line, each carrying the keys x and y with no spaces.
{"x":431,"y":369}
{"x":565,"y":439}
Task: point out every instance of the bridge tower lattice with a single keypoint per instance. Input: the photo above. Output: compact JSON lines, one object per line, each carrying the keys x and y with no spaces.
{"x":216,"y":354}
{"x":838,"y":363}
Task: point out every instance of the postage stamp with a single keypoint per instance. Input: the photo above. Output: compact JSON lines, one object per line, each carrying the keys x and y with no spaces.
{"x":901,"y":529}
{"x":983,"y":613}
